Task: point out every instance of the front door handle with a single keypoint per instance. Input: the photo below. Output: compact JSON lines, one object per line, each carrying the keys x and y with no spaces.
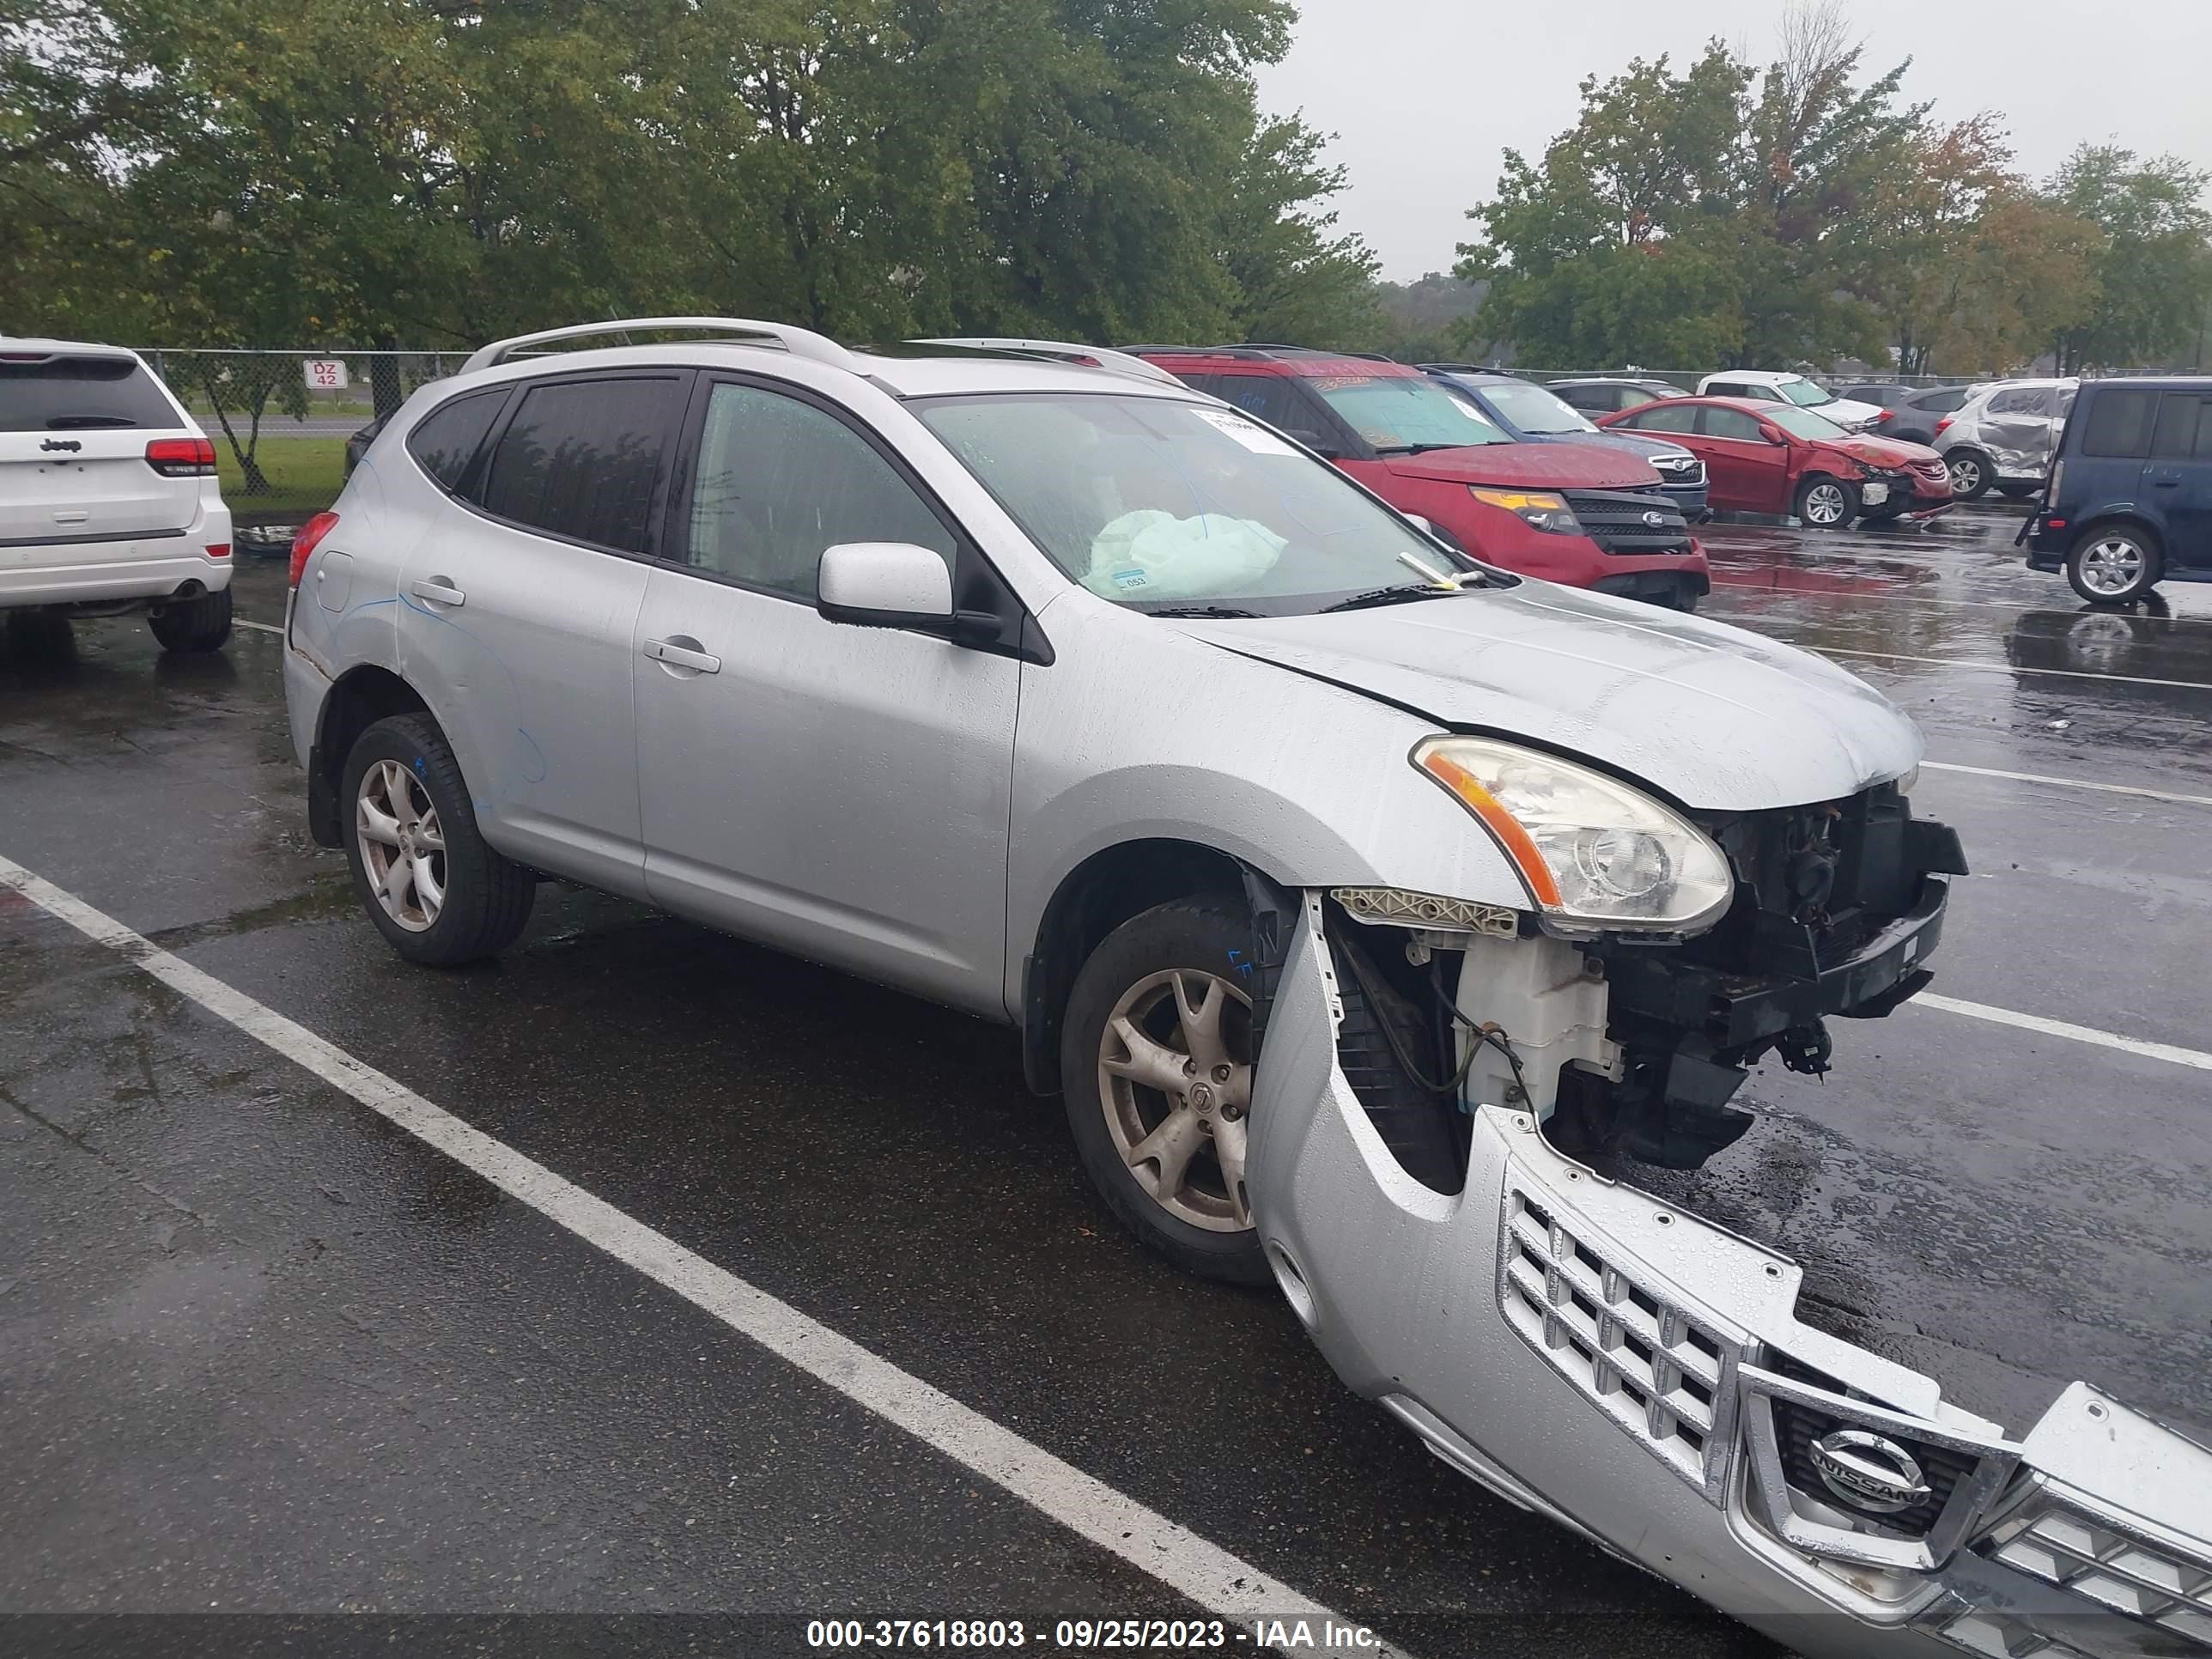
{"x":2167,"y":484}
{"x":680,"y":651}
{"x":439,"y":591}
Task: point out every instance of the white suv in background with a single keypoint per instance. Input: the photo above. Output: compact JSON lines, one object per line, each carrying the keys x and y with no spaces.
{"x":108,"y":500}
{"x":1780,"y":387}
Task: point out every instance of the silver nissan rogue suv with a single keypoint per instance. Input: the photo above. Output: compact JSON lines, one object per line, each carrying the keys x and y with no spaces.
{"x":1354,"y":895}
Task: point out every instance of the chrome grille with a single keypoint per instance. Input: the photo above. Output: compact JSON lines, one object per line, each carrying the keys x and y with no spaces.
{"x":1623,"y":521}
{"x":1665,"y":1378}
{"x":2001,"y":1635}
{"x":2113,"y":1566}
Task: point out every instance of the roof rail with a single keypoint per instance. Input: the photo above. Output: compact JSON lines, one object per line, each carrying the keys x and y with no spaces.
{"x":1089,"y":356}
{"x":798,"y":341}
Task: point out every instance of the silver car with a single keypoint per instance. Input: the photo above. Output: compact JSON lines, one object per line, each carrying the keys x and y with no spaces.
{"x":1361,"y":901}
{"x":2004,"y":436}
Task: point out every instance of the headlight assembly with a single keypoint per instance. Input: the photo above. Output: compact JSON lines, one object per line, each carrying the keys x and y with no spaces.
{"x":1594,"y":852}
{"x":1539,"y":508}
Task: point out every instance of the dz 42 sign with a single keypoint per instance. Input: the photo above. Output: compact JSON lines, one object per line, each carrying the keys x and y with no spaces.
{"x":325,"y":373}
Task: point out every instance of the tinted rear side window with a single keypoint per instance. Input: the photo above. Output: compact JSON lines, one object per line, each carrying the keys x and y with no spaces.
{"x":78,"y":394}
{"x":2184,"y":431}
{"x":2119,"y":423}
{"x":445,"y":441}
{"x":581,"y":458}
{"x":1942,"y":403}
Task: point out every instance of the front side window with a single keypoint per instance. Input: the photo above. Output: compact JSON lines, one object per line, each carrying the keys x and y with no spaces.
{"x":1399,"y":414}
{"x":1674,"y":417}
{"x":1732,"y":389}
{"x":1533,"y":409}
{"x":1272,"y":397}
{"x":1160,"y":504}
{"x":446,"y":439}
{"x":780,"y":481}
{"x":80,"y":394}
{"x":1733,"y":423}
{"x":580,"y":460}
{"x":1804,"y":423}
{"x":2119,"y":423}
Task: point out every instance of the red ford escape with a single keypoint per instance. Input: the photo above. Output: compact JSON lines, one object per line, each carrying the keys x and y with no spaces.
{"x":1582,"y":516}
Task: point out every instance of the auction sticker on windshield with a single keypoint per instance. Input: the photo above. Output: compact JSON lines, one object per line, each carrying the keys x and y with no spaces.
{"x":1257,"y":439}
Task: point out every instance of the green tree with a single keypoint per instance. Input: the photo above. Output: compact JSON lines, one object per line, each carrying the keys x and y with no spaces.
{"x":2154,"y":279}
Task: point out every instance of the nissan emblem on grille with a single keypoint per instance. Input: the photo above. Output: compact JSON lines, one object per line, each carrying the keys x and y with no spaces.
{"x":1869,"y":1472}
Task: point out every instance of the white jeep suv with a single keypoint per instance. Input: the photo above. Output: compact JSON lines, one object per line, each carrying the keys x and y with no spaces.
{"x":108,"y":500}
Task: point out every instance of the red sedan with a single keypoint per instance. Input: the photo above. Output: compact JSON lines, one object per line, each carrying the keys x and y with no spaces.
{"x":1777,"y":458}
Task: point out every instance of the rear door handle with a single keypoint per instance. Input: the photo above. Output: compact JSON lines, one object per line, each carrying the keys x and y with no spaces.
{"x":682,"y":652}
{"x":439,"y":591}
{"x":2167,"y":484}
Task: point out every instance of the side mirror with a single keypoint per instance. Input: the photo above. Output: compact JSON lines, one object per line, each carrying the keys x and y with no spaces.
{"x":1313,"y":440}
{"x":1418,"y":523}
{"x":1771,"y":433}
{"x":884,"y":584}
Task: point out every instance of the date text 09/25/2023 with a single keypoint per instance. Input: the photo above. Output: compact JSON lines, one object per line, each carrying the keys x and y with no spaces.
{"x":1286,"y":1635}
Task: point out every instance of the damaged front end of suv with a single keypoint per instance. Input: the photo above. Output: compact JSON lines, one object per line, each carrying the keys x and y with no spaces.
{"x":1441,"y":1085}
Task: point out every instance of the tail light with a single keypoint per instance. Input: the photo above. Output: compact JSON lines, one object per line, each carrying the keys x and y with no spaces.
{"x":218,"y":550}
{"x":181,"y":457}
{"x":1886,"y":415}
{"x":1941,"y":424}
{"x":310,"y":538}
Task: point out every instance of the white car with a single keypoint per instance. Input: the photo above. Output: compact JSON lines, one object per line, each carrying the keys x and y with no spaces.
{"x":108,"y":500}
{"x":1780,"y":387}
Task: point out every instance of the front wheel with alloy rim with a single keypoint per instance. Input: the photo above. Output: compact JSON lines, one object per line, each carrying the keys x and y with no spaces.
{"x":1827,"y":503}
{"x":1971,"y":475}
{"x":1155,"y":1065}
{"x":2114,"y":564}
{"x":436,"y":891}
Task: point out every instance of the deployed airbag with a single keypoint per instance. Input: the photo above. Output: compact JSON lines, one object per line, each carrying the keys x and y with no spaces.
{"x":1153,"y":555}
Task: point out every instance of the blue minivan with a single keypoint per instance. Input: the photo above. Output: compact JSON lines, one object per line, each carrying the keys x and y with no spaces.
{"x":2129,"y":501}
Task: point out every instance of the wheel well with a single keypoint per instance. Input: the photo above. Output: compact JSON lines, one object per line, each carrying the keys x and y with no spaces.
{"x":364,"y":696}
{"x":2108,"y":521}
{"x":1096,"y":897}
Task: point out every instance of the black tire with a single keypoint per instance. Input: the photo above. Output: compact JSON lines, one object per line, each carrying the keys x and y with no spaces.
{"x":194,"y":624}
{"x":1847,"y":491}
{"x":2114,"y":542}
{"x":2016,"y":489}
{"x":487,"y":898}
{"x":1971,"y":475}
{"x":1209,"y":936}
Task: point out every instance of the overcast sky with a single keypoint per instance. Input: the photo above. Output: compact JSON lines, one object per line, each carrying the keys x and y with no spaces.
{"x":1425,"y":95}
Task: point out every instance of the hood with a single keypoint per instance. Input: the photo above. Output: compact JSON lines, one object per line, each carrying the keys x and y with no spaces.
{"x":1636,"y":443}
{"x":1882,"y":452}
{"x":1528,"y":466}
{"x":1718,"y":718}
{"x":1846,"y":412}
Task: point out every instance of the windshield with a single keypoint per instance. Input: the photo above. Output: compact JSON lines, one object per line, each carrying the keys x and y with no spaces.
{"x":1164,"y":505}
{"x":1534,"y":409}
{"x":1802,"y":423}
{"x":1803,"y":393}
{"x":1398,"y":413}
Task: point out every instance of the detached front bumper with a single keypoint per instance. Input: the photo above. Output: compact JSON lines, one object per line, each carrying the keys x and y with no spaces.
{"x":1640,"y":1375}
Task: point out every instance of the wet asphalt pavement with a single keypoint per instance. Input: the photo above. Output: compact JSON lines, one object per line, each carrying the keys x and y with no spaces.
{"x":262,"y":1352}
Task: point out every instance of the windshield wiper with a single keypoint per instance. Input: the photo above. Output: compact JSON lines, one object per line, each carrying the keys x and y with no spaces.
{"x":1403,"y":593}
{"x":1202,"y":612}
{"x":1423,"y":449}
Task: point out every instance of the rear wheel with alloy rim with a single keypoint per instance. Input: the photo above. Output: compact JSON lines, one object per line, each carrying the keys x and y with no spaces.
{"x":1827,"y":503}
{"x":2114,"y":564}
{"x":1156,"y":1064}
{"x":435,"y":889}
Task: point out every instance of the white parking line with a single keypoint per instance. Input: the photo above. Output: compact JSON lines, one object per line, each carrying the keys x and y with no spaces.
{"x":1911,"y":598}
{"x":2067,"y":783}
{"x":258,"y":628}
{"x":2001,"y":668}
{"x":1178,"y":1557}
{"x":2126,"y":1045}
